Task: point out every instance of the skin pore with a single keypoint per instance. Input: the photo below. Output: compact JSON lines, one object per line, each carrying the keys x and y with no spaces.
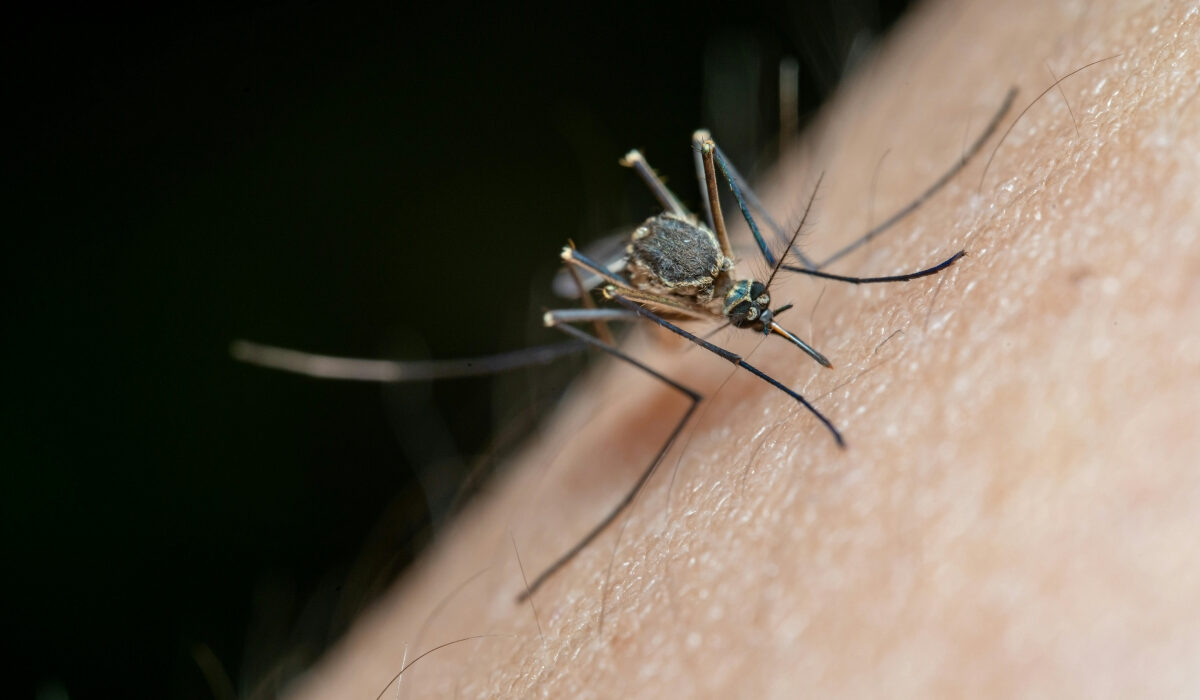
{"x":1016,"y":511}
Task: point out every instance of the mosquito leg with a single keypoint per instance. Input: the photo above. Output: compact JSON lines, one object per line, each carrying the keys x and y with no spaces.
{"x":709,"y":152}
{"x":615,"y":295}
{"x":665,"y":304}
{"x":933,"y":189}
{"x":751,"y":198}
{"x":553,"y":319}
{"x":747,"y":200}
{"x":390,"y":371}
{"x":662,"y":193}
{"x":574,"y":257}
{"x":698,"y":138}
{"x":714,"y":202}
{"x":610,"y":249}
{"x":571,"y":256}
{"x":874,"y":280}
{"x":559,"y":320}
{"x":601,"y":328}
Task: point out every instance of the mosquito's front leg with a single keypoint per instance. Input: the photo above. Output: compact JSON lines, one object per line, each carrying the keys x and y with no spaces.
{"x":616,"y":295}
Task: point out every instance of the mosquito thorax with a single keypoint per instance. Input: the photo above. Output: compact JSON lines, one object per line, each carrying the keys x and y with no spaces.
{"x":677,"y":255}
{"x":747,"y":305}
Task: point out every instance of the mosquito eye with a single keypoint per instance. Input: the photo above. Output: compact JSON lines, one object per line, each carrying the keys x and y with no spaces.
{"x":741,"y":314}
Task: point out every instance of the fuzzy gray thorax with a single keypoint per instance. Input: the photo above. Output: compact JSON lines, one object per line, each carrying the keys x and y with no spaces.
{"x":677,"y":255}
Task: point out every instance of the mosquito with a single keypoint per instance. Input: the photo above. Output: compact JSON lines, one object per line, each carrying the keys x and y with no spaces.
{"x":674,"y":267}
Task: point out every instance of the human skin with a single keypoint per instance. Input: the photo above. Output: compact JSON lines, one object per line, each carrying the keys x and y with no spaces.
{"x":1015,"y":513}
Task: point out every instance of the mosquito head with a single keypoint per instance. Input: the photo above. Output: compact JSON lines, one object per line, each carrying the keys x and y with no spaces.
{"x":747,"y":306}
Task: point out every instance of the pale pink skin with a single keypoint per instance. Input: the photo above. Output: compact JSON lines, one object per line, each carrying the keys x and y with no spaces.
{"x":1018,"y":509}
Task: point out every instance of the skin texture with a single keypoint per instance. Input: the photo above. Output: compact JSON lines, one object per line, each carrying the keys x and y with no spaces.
{"x":1017,"y":508}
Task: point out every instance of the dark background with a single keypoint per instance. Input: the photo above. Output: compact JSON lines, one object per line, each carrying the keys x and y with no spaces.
{"x":378,"y":183}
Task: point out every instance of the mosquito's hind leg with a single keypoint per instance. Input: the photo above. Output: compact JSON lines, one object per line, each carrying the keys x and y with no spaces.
{"x":634,"y":159}
{"x":560,"y":321}
{"x":933,"y":189}
{"x":736,"y":359}
{"x":698,"y":138}
{"x":909,"y":208}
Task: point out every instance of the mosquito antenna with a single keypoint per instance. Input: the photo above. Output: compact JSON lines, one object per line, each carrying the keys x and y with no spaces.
{"x":796,"y":234}
{"x":774,"y":327}
{"x":1053,"y":85}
